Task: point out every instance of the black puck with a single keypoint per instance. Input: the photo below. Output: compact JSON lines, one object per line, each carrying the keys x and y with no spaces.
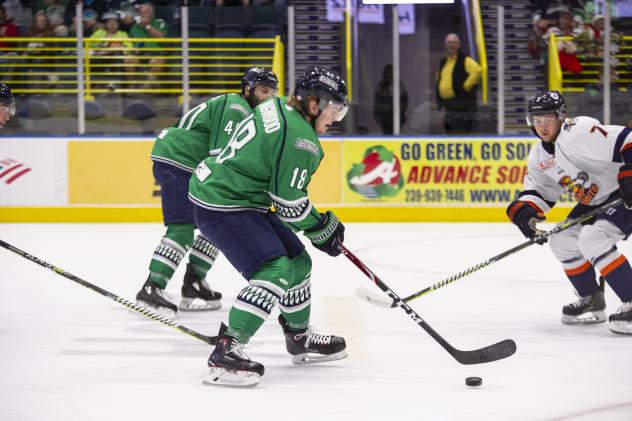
{"x":473,"y":381}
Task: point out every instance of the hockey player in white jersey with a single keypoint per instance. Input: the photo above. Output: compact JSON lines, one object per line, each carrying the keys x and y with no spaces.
{"x":593,"y":162}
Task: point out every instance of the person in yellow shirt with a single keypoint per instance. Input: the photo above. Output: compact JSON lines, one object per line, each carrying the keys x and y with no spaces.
{"x":457,"y":78}
{"x":113,"y":52}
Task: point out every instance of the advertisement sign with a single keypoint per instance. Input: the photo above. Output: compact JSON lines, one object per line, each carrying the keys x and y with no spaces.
{"x":111,"y":173}
{"x":435,"y":172}
{"x":406,"y":19}
{"x":32,"y":172}
{"x":367,"y":13}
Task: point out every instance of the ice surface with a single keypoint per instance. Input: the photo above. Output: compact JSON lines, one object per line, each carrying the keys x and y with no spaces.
{"x":67,"y":353}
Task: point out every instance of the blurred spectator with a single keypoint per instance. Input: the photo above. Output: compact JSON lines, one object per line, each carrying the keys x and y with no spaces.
{"x":111,"y":30}
{"x":567,"y":49}
{"x":19,"y":13}
{"x":98,"y":6}
{"x":220,"y":3}
{"x":39,"y":29}
{"x":546,"y":12}
{"x":594,"y":8}
{"x":90,"y":23}
{"x":536,"y":44}
{"x":127,"y":14}
{"x":110,"y":52}
{"x":456,"y":82}
{"x":149,"y":27}
{"x":383,"y":104}
{"x":55,"y":16}
{"x":43,"y":5}
{"x":263,"y":2}
{"x":7,"y":57}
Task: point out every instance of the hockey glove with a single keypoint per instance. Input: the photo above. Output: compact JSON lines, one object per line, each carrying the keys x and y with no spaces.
{"x":625,"y":184}
{"x":525,"y":215}
{"x":327,"y":234}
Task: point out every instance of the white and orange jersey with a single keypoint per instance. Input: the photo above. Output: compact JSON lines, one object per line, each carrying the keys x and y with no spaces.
{"x":584,"y":161}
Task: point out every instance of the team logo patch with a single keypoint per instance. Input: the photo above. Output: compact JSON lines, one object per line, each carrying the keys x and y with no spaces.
{"x":378,"y":175}
{"x":307,"y":145}
{"x":579,"y":187}
{"x":547,"y":163}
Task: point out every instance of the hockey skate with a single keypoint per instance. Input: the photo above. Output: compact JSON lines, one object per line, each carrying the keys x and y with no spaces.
{"x":621,"y":321}
{"x":153,"y":297}
{"x":230,"y":366}
{"x":308,"y":347}
{"x":586,"y":310}
{"x":196,"y":294}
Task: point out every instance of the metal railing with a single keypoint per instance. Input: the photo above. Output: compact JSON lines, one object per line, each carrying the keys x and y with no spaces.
{"x":127,"y":65}
{"x":592,"y":68}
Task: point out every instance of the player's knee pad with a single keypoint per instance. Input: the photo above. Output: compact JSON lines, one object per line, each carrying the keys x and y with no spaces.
{"x":564,"y":244}
{"x":299,"y":295}
{"x":598,"y":239}
{"x":266,"y":287}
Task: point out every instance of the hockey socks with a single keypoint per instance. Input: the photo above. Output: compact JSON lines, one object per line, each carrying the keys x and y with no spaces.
{"x":295,"y":305}
{"x":255,"y":302}
{"x":582,"y":275}
{"x":203,"y":255}
{"x":282,"y":281}
{"x":616,"y":269}
{"x":170,"y":252}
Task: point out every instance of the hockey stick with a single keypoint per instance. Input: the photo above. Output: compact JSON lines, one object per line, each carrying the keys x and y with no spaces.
{"x":490,"y":353}
{"x":380,"y":301}
{"x":211,"y":340}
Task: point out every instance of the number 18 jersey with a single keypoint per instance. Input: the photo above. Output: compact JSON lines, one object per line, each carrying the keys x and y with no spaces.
{"x":269,"y":161}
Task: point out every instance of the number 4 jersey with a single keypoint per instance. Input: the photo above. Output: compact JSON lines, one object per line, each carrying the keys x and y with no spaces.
{"x":201,"y":132}
{"x":584,"y":161}
{"x":269,"y":161}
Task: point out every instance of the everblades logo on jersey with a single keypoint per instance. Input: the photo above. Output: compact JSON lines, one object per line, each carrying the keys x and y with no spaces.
{"x":378,"y":175}
{"x":307,"y":145}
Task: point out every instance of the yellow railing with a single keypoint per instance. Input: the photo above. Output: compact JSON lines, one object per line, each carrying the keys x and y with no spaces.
{"x":554,"y":67}
{"x":480,"y":43}
{"x":49,"y":65}
{"x":588,"y":75}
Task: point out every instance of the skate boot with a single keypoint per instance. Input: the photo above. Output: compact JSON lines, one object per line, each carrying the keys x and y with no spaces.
{"x":586,"y":310}
{"x":307,"y":346}
{"x":196,"y":294}
{"x":621,"y":321}
{"x":230,"y":366}
{"x":153,"y":297}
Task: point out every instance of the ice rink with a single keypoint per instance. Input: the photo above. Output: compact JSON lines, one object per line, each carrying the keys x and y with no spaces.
{"x":68,"y":353}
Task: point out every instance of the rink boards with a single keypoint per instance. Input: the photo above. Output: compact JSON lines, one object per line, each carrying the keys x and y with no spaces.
{"x":361,"y":178}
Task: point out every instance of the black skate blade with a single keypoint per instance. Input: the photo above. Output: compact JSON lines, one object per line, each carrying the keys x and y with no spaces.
{"x":495,"y":352}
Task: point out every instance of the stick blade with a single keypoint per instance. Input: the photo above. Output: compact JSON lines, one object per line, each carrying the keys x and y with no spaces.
{"x":495,"y":352}
{"x":373,"y":298}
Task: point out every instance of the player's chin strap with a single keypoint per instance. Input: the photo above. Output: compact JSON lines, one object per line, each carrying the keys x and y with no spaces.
{"x":380,"y":301}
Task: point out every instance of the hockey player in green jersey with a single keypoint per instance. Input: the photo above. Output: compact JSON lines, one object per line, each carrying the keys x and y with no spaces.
{"x":201,"y":132}
{"x":269,"y":162}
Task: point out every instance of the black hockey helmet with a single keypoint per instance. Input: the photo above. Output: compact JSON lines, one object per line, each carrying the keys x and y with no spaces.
{"x":325,"y":85}
{"x":6,"y":98}
{"x":546,"y":102}
{"x":259,"y":76}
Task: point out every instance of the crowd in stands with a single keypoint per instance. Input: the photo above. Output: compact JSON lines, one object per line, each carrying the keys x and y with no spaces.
{"x":119,"y":20}
{"x":583,"y":22}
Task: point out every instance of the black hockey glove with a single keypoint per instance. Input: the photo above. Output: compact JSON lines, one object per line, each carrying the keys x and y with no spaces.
{"x":525,"y":215}
{"x":625,"y":184}
{"x":327,"y":234}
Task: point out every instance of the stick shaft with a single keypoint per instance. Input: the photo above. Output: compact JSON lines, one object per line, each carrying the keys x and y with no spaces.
{"x":561,"y":227}
{"x":130,"y":305}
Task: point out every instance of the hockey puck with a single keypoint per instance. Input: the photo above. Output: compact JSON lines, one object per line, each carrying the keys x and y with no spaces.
{"x":473,"y":381}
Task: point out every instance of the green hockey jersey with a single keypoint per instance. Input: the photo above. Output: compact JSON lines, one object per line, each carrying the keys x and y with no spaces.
{"x":201,"y":132}
{"x":269,"y":161}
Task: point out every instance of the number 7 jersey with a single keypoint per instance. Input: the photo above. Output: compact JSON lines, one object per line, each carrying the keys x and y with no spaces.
{"x":584,"y":161}
{"x":269,"y":161}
